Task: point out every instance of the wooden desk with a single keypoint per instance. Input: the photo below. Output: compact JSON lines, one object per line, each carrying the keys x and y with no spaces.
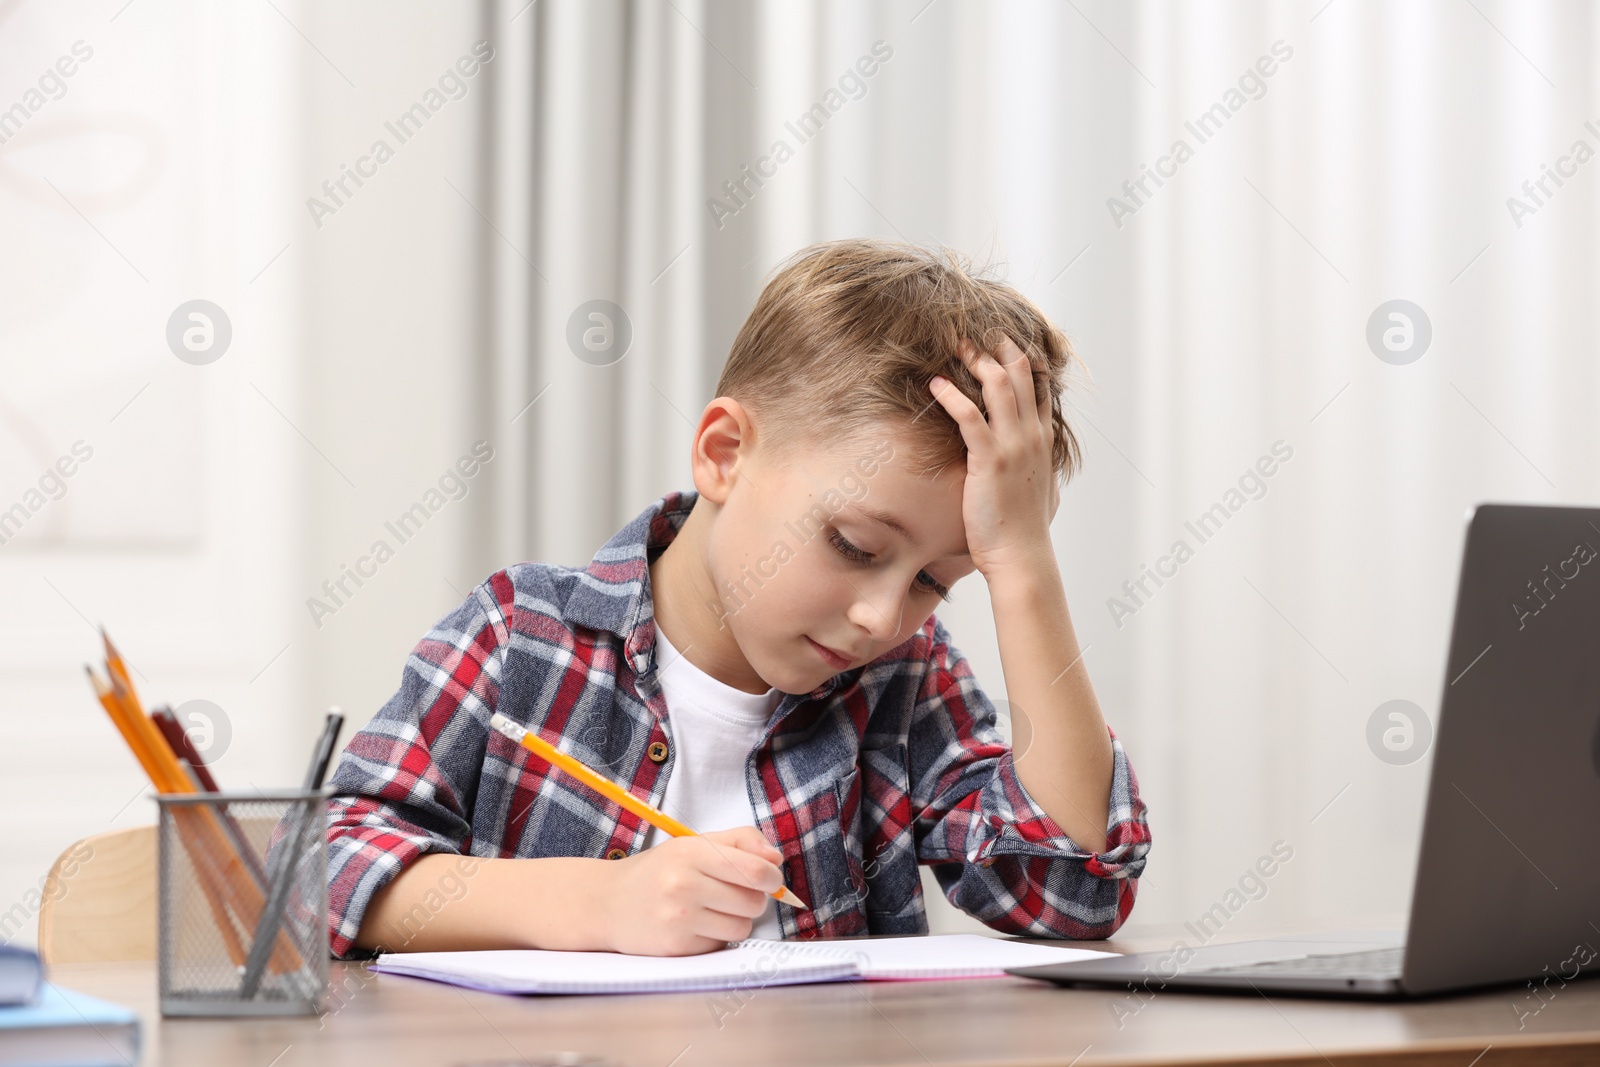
{"x":391,"y":1021}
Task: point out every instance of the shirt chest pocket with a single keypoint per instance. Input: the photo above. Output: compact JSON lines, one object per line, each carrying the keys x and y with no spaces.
{"x":883,"y":874}
{"x":542,"y":812}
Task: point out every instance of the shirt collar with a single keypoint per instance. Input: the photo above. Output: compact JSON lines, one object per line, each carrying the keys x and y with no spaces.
{"x":613,"y":592}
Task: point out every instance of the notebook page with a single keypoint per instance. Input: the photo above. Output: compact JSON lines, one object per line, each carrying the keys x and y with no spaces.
{"x":750,"y":964}
{"x":945,"y":955}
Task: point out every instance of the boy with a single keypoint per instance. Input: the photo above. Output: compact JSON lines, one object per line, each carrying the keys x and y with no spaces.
{"x":759,"y":658}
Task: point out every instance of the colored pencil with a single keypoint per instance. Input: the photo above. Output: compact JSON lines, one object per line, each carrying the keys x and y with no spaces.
{"x":203,"y":782}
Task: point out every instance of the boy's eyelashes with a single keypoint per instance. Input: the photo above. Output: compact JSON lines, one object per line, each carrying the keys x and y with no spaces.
{"x":925,"y":581}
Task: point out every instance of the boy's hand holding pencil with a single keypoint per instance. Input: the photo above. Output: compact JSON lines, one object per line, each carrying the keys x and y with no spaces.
{"x":693,"y":893}
{"x":690,"y":894}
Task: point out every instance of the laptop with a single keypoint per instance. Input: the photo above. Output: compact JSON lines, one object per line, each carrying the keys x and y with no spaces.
{"x":1507,"y":882}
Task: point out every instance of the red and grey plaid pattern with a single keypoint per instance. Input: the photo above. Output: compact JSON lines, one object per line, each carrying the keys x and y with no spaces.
{"x":881,"y":768}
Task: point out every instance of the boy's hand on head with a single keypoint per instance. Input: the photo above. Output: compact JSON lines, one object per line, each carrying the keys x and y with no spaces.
{"x":691,"y":894}
{"x":1011,"y":492}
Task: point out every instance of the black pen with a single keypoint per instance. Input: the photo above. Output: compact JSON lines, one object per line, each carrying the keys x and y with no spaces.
{"x":283,"y":878}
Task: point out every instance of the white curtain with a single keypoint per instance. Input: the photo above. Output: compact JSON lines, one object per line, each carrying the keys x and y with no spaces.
{"x":1376,"y":166}
{"x":1361,"y":154}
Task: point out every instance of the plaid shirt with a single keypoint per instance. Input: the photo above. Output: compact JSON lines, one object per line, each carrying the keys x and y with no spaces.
{"x":883,"y":767}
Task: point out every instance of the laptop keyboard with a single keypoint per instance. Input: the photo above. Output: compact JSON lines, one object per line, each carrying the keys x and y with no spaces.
{"x":1375,"y":963}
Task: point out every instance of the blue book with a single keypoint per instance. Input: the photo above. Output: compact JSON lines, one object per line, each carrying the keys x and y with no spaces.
{"x":20,"y":974}
{"x":66,"y":1029}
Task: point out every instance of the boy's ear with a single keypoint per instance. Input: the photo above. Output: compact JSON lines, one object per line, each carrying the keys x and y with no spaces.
{"x":723,"y":440}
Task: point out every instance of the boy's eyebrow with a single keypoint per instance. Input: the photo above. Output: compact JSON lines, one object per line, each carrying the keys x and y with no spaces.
{"x":886,"y":519}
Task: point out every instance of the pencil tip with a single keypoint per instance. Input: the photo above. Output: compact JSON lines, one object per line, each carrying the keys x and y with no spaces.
{"x":788,"y":897}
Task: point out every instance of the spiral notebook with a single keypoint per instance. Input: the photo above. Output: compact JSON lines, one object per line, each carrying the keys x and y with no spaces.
{"x":748,"y":964}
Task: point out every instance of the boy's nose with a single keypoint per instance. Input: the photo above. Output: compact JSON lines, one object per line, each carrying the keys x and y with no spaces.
{"x":879,"y":615}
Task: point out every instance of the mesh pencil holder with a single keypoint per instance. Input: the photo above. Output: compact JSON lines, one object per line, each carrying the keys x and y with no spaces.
{"x":243,"y":903}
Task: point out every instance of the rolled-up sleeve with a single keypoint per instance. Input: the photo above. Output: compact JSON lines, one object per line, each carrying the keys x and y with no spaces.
{"x":998,"y":855}
{"x":405,"y":783}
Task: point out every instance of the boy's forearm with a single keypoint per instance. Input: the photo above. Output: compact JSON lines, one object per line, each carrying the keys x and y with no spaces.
{"x":1067,"y":767}
{"x":550,"y":903}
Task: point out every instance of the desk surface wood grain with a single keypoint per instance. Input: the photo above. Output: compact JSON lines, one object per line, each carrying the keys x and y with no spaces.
{"x":392,"y":1021}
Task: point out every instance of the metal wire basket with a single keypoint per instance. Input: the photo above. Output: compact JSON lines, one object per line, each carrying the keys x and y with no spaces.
{"x":243,"y":903}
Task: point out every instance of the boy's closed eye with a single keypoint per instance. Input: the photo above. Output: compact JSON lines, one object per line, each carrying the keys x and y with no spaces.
{"x":925,"y":582}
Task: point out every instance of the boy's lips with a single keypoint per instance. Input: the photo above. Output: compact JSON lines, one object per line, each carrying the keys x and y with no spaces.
{"x":833,"y":657}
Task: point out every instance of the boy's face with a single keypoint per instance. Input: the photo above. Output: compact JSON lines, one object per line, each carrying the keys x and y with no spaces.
{"x":798,"y":561}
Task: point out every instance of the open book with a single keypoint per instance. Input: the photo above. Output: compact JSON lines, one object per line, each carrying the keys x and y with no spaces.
{"x":748,"y":964}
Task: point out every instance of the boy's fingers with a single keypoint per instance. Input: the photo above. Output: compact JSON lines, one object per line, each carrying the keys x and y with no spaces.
{"x":749,"y":839}
{"x":974,"y":428}
{"x":743,"y":857}
{"x":999,"y":392}
{"x":1019,"y":369}
{"x":723,"y":928}
{"x":736,"y":900}
{"x":740,"y":868}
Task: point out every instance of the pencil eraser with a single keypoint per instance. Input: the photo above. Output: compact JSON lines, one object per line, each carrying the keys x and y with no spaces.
{"x":500,"y":724}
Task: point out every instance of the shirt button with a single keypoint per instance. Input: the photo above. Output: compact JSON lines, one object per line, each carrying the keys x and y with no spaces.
{"x":617,"y":854}
{"x":657,"y":752}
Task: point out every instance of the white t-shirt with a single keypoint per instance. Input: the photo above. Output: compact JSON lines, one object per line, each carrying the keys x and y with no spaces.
{"x":714,"y":727}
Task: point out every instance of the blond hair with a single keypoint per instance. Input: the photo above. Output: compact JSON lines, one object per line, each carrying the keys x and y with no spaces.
{"x":848,"y":333}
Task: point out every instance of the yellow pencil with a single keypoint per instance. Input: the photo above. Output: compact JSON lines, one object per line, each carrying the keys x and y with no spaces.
{"x":606,"y":787}
{"x":113,"y":698}
{"x":223,"y":876}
